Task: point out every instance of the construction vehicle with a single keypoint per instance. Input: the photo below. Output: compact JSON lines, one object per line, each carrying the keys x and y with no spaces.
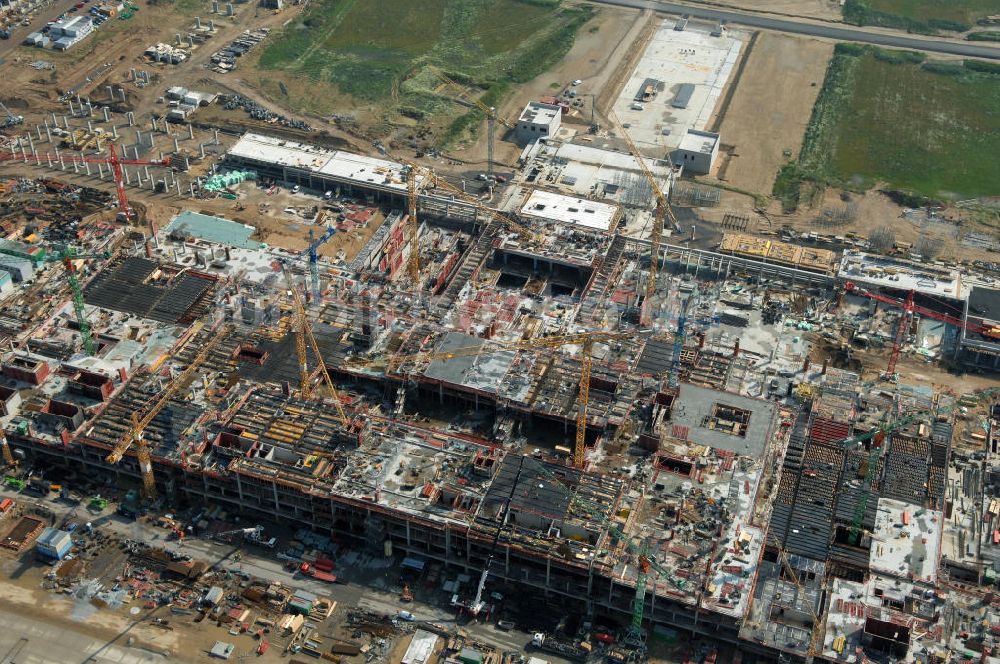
{"x":663,"y":211}
{"x":556,"y":646}
{"x":133,"y":438}
{"x":312,"y":571}
{"x":10,"y":120}
{"x":67,"y":258}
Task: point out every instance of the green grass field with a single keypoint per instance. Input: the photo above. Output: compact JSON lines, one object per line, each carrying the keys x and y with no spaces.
{"x":386,"y":51}
{"x":920,"y":15}
{"x":927,"y":128}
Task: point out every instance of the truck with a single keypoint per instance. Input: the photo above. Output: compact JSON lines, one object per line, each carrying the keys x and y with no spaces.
{"x":324,"y":564}
{"x":556,"y":646}
{"x":308,"y":570}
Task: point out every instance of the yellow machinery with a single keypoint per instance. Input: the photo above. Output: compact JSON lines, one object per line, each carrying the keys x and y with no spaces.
{"x":304,"y":332}
{"x":8,"y":456}
{"x":817,"y":630}
{"x":663,"y":210}
{"x":523,"y":231}
{"x":134,"y":436}
{"x":585,"y":339}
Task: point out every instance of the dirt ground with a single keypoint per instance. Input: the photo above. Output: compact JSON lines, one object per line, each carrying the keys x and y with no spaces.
{"x":827,"y":10}
{"x":765,"y":123}
{"x":604,"y":47}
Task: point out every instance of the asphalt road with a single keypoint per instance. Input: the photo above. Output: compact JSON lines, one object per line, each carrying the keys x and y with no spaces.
{"x":803,"y":27}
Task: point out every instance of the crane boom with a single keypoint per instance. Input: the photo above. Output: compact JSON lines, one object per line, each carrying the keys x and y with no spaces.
{"x":663,"y":211}
{"x":304,"y":331}
{"x":506,"y":221}
{"x":134,"y":436}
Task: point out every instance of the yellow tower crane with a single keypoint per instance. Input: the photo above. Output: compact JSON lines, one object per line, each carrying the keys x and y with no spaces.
{"x":133,"y":438}
{"x":585,"y":339}
{"x":817,"y":630}
{"x":304,"y":332}
{"x":8,"y":456}
{"x":663,"y":210}
{"x":492,"y":117}
{"x":523,"y":231}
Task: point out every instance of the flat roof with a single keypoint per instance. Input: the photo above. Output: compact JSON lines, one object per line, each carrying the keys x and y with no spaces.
{"x":906,"y":540}
{"x":538,"y":113}
{"x":569,"y":210}
{"x":699,"y":141}
{"x":695,"y":411}
{"x":901,"y":274}
{"x":333,"y":163}
{"x":480,"y":372}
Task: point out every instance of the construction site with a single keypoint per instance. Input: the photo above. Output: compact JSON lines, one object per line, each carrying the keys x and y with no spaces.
{"x":401,"y":399}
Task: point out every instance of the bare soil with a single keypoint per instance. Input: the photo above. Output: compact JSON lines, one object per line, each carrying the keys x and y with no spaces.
{"x":765,"y":122}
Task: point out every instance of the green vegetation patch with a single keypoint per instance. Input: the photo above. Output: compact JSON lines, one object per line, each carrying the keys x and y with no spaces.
{"x":926,"y":16}
{"x":386,"y":51}
{"x":931,"y":129}
{"x":984,"y":35}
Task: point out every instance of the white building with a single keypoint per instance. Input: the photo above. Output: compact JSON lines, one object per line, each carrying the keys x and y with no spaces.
{"x":537,"y":120}
{"x":697,"y":151}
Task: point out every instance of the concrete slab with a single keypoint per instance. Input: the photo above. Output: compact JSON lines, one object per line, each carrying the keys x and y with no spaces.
{"x":677,"y":58}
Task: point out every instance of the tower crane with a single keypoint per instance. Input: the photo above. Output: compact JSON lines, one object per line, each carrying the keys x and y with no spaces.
{"x":909,"y":309}
{"x":303,"y":332}
{"x":8,"y":455}
{"x":584,"y":339}
{"x":313,"y":252}
{"x":113,"y":160}
{"x":663,"y":210}
{"x":492,"y":117}
{"x":66,"y":257}
{"x":646,"y":562}
{"x":675,"y":359}
{"x":133,"y":438}
{"x":523,"y":231}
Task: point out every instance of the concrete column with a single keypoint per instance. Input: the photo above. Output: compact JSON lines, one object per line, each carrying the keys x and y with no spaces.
{"x":48,"y":133}
{"x":65,"y":122}
{"x":130,"y":116}
{"x":38,"y":128}
{"x":31,"y":143}
{"x":107,"y":114}
{"x":114,"y":131}
{"x":76,"y":167}
{"x":48,"y":158}
{"x":191,"y":132}
{"x":111,"y":92}
{"x":197,"y":21}
{"x":215,"y":135}
{"x":190,"y":41}
{"x":121,"y":91}
{"x":86,"y":166}
{"x":135,"y":151}
{"x":177,"y":39}
{"x":78,"y":101}
{"x":100,"y":170}
{"x":211,"y":23}
{"x":161,"y":155}
{"x":177,"y":147}
{"x":55,"y":121}
{"x":133,"y":75}
{"x":62,"y":164}
{"x":201,"y":148}
{"x":90,"y":110}
{"x":177,"y":182}
{"x":90,"y":126}
{"x":153,"y":120}
{"x":191,"y":187}
{"x":138,"y":178}
{"x":138,"y":137}
{"x":146,"y":171}
{"x":72,"y":109}
{"x":229,"y":9}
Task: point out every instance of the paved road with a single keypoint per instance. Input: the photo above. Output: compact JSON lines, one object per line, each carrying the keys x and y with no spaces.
{"x":804,"y":27}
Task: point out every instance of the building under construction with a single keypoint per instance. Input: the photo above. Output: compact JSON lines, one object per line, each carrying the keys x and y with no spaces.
{"x":479,"y":384}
